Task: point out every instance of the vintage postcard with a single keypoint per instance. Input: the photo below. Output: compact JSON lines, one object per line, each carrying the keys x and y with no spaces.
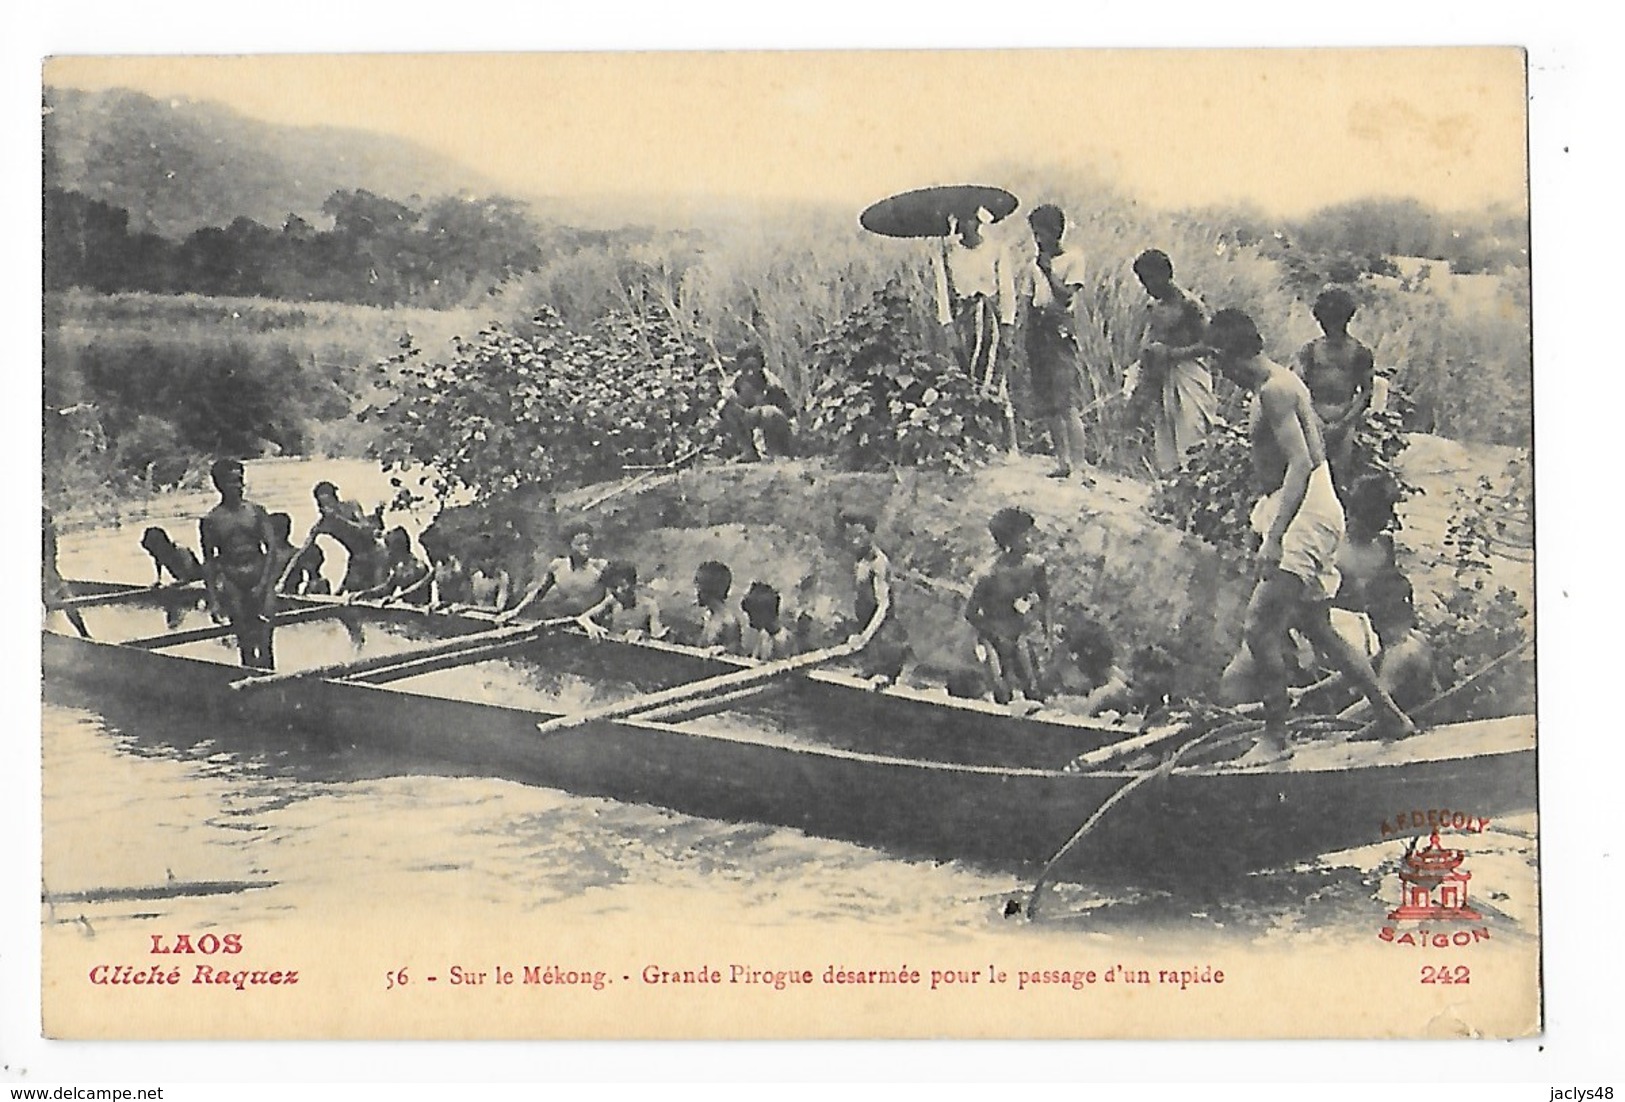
{"x":1010,"y":544}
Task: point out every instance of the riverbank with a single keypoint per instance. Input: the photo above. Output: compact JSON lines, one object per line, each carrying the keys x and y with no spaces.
{"x":1147,"y":582}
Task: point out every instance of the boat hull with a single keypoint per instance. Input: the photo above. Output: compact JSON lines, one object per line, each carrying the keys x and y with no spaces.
{"x":1197,"y":822}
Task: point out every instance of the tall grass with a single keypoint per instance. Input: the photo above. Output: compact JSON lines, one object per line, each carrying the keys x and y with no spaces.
{"x":786,"y":280}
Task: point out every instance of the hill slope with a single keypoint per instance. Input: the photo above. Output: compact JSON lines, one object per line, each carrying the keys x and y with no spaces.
{"x":179,"y":164}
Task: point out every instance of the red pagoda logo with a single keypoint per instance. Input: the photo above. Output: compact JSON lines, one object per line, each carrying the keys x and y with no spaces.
{"x":1432,"y":885}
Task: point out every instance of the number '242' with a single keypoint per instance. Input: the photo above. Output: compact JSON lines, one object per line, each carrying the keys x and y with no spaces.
{"x":1446,"y":973}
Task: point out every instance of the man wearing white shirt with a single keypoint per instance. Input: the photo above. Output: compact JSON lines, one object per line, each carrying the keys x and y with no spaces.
{"x":976,"y":295}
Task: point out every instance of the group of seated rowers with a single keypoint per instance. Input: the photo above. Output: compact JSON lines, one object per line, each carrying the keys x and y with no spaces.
{"x":1021,"y":656}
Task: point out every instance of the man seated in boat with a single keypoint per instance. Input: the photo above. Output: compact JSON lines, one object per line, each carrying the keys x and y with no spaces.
{"x":1093,"y":680}
{"x":448,"y":577}
{"x":765,"y":636}
{"x":356,"y":530}
{"x":882,"y":661}
{"x":624,"y":613}
{"x":758,"y":415}
{"x":406,"y":577}
{"x":1152,"y":680}
{"x":720,"y":630}
{"x":306,"y":576}
{"x":239,"y":568}
{"x":1009,"y":609}
{"x":1366,"y":554}
{"x":576,"y":578}
{"x":53,"y":589}
{"x":1405,"y":662}
{"x":1301,"y":522}
{"x":489,"y":583}
{"x":170,"y":557}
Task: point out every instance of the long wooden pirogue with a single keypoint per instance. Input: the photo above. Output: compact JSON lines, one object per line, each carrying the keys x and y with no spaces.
{"x":909,"y":770}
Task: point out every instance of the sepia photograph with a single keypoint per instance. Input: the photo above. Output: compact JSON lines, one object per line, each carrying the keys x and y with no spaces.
{"x":1000,"y":544}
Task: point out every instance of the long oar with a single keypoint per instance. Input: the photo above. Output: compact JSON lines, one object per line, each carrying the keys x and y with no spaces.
{"x":123,"y":596}
{"x":724,"y":683}
{"x":648,"y":475}
{"x":1126,"y":747}
{"x":1094,"y":820}
{"x":220,"y":631}
{"x":476,"y":641}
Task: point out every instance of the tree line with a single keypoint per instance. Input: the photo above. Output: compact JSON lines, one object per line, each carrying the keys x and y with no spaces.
{"x":378,"y":252}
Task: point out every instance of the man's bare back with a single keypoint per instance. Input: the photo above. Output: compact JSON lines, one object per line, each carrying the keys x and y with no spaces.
{"x":1283,"y":402}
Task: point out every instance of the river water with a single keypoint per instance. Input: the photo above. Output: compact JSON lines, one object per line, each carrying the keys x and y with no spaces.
{"x":136,"y":798}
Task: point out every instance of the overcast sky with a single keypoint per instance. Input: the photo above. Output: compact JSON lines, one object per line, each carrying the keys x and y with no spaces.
{"x":1289,"y":130}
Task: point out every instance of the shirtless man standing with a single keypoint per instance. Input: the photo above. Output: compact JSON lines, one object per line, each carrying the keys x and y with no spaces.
{"x":1301,"y":522}
{"x":239,"y":567}
{"x":1339,"y":372}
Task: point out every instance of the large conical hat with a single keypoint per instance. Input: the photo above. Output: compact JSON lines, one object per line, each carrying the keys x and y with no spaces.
{"x":925,"y":212}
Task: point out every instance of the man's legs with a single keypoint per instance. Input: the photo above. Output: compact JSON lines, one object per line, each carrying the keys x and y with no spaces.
{"x":1315,"y":622}
{"x":778,"y":439}
{"x":1066,"y":427}
{"x":995,"y":664}
{"x":1269,"y":614}
{"x":738,"y":439}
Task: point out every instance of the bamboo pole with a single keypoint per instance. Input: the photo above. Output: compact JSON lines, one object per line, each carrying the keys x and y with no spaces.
{"x":441,"y":648}
{"x":220,"y":631}
{"x":724,"y":683}
{"x":123,"y":596}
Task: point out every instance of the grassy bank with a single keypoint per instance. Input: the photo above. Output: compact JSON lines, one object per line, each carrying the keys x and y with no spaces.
{"x":140,"y":390}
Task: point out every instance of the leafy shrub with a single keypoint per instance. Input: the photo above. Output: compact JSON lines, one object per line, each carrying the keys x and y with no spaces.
{"x":1211,"y":496}
{"x":551,"y":407}
{"x":884,"y":399}
{"x":1474,"y":626}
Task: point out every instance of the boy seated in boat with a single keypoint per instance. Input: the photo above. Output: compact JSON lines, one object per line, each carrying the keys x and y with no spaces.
{"x":489,"y":583}
{"x":448,"y":581}
{"x":406,"y":578}
{"x":624,"y":612}
{"x":1093,"y":678}
{"x":720,"y":630}
{"x":576,"y":576}
{"x":170,"y":557}
{"x":1405,"y":663}
{"x":1152,"y":681}
{"x":882,"y":661}
{"x":307,"y":576}
{"x":1009,"y":609}
{"x":765,"y":636}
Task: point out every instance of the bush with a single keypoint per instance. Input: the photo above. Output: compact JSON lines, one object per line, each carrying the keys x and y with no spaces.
{"x":884,"y":399}
{"x":551,"y":408}
{"x":1474,"y":625}
{"x":1211,"y":496}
